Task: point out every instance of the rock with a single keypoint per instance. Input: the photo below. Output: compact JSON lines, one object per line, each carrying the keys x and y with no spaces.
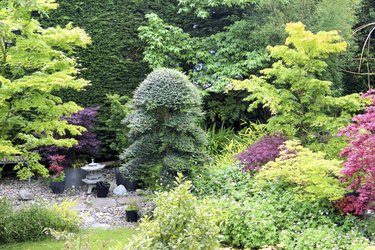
{"x":120,"y":190}
{"x":25,"y":195}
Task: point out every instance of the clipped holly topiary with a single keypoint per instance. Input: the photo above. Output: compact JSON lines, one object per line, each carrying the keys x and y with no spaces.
{"x":359,"y":166}
{"x":258,"y":154}
{"x":308,"y":174}
{"x":164,"y":127}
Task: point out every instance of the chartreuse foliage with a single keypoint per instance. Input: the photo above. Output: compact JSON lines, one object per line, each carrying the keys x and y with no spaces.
{"x":308,"y":174}
{"x":164,"y":126}
{"x":302,"y":104}
{"x":180,"y":222}
{"x":34,"y":63}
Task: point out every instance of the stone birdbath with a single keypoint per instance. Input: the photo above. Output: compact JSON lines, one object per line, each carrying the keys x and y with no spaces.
{"x":94,"y":175}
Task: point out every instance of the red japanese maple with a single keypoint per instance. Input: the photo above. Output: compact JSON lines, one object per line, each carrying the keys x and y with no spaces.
{"x":359,"y":167}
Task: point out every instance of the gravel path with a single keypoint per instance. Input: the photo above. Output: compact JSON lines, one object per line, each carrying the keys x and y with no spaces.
{"x":95,"y":212}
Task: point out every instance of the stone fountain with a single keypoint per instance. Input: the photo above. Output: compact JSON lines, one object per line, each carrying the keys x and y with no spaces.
{"x":94,"y":175}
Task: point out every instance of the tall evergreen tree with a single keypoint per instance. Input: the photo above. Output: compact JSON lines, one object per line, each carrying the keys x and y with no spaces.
{"x":164,"y":127}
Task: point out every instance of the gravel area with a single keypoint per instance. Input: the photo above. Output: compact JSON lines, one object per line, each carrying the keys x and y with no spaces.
{"x":95,"y":212}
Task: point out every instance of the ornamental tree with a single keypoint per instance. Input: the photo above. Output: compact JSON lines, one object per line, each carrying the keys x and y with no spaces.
{"x":164,"y":127}
{"x":303,"y":105}
{"x":359,"y":166}
{"x":87,"y":144}
{"x":228,"y":38}
{"x":308,"y":174}
{"x":35,"y":62}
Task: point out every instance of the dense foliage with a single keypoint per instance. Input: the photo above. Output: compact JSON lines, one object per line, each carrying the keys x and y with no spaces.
{"x":29,"y":222}
{"x":359,"y":166}
{"x":302,"y":104}
{"x":180,"y":222}
{"x":164,"y":126}
{"x":35,"y":63}
{"x":268,"y":218}
{"x":308,"y":174}
{"x":114,"y":62}
{"x":237,"y":48}
{"x":258,"y":154}
{"x":116,"y":131}
{"x":87,"y":146}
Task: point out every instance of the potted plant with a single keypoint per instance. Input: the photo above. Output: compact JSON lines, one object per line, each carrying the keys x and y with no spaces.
{"x":131,"y":211}
{"x":102,"y":189}
{"x":58,"y":176}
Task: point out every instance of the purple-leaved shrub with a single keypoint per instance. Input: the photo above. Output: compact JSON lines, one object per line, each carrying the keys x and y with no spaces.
{"x":262,"y":151}
{"x":88,"y":145}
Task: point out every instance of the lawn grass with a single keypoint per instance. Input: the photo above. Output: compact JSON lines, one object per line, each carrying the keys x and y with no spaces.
{"x":95,"y":238}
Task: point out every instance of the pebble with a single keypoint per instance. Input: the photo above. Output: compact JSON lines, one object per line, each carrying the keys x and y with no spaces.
{"x":95,"y":212}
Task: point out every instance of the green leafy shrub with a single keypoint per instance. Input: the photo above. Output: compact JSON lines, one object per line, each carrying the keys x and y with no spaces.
{"x":251,"y":223}
{"x":274,"y":215}
{"x":28,"y":223}
{"x":180,"y":222}
{"x":218,"y":138}
{"x":164,"y":126}
{"x":307,"y":173}
{"x":115,"y":127}
{"x":227,"y":180}
{"x":331,"y":148}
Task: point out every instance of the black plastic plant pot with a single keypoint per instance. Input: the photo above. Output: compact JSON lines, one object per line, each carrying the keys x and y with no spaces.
{"x":16,"y":31}
{"x":57,"y":187}
{"x":126,"y":182}
{"x":101,"y":189}
{"x":131,"y":216}
{"x":35,"y":13}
